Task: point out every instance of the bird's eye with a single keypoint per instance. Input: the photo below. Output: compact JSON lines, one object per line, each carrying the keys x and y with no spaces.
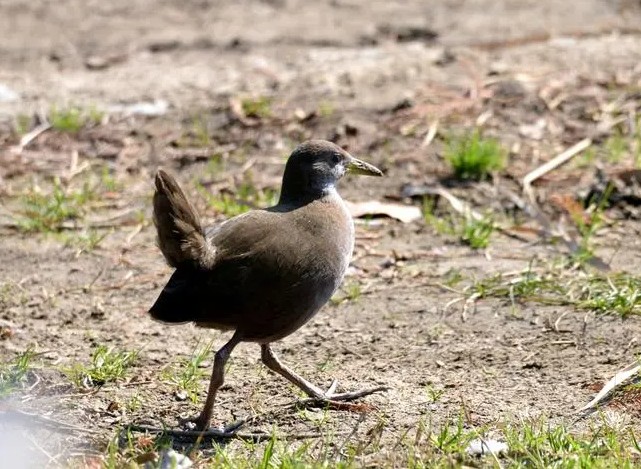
{"x":336,"y":158}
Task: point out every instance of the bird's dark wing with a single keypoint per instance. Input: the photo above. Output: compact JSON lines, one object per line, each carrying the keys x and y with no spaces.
{"x":268,"y":273}
{"x":249,"y":264}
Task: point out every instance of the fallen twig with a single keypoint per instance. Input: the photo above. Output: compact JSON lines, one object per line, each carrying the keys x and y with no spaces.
{"x":552,"y":164}
{"x":431,"y":133}
{"x":29,"y":137}
{"x":617,"y":380}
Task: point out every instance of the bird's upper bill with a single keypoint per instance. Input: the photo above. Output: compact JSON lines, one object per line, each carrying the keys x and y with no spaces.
{"x":355,"y":166}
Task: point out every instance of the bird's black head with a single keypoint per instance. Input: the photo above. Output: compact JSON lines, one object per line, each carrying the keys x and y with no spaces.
{"x":313,"y":169}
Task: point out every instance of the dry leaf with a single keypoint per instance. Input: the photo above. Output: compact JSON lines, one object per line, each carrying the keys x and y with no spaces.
{"x":404,"y":213}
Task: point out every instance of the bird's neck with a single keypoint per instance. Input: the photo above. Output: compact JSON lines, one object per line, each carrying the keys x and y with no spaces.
{"x":302,"y":195}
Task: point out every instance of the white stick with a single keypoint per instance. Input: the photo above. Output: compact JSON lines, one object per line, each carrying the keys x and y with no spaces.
{"x":555,"y":162}
{"x":616,"y":381}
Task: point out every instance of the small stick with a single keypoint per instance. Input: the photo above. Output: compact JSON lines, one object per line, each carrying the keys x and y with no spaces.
{"x":134,"y":232}
{"x":332,"y":387}
{"x":29,"y":137}
{"x":431,"y":133}
{"x":558,"y":321}
{"x":554,"y":163}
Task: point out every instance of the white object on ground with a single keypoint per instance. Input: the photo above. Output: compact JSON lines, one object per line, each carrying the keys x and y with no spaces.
{"x":481,"y":447}
{"x":157,"y":108}
{"x":403,"y":213}
{"x":7,"y":95}
{"x":170,"y":459}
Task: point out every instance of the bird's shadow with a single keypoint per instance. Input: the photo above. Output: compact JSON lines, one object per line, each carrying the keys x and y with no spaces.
{"x":186,"y":441}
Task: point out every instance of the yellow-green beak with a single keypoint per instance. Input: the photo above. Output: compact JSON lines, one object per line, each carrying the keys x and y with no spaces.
{"x":355,"y":166}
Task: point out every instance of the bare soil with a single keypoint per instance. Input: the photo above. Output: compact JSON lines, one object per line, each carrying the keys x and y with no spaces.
{"x":373,"y":76}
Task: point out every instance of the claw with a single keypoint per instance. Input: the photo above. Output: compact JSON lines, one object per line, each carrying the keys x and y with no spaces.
{"x":331,"y":389}
{"x":193,"y":424}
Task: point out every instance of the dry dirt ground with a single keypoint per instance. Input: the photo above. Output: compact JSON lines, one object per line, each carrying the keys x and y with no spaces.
{"x":376,"y":77}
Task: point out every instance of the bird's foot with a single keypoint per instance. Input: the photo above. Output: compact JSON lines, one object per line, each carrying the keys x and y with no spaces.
{"x":332,"y":396}
{"x":200,"y":423}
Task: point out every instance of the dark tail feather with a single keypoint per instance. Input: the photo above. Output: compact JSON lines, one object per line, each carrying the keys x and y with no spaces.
{"x":181,"y":237}
{"x":179,"y":299}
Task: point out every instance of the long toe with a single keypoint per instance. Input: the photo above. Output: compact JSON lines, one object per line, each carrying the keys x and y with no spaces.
{"x":350,"y":396}
{"x":194,"y":424}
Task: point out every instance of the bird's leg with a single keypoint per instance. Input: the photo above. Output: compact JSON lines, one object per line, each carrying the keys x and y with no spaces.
{"x":273,"y":363}
{"x":216,"y":381}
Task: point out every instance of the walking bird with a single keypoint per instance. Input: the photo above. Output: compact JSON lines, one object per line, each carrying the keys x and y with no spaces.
{"x":265,"y":273}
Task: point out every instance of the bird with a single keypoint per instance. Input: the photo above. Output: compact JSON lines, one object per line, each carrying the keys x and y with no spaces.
{"x":265,"y":273}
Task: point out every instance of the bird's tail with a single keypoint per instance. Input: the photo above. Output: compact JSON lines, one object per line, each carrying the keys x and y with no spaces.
{"x":181,"y":237}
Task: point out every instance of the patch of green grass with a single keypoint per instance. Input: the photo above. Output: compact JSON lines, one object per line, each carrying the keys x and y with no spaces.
{"x":531,"y":443}
{"x":257,"y":197}
{"x":107,"y":365}
{"x":538,"y":444}
{"x":442,"y":225}
{"x":260,"y":107}
{"x":196,"y":134}
{"x":66,"y":120}
{"x":616,"y":147}
{"x":471,"y":231}
{"x":586,"y":159}
{"x":541,"y":287}
{"x":186,"y":375}
{"x":126,"y":449}
{"x":619,"y":294}
{"x":473,"y":156}
{"x":476,"y":233}
{"x":433,"y":394}
{"x":108,"y":181}
{"x":225,"y":204}
{"x":22,"y":124}
{"x":133,"y":403}
{"x":588,"y":228}
{"x":533,"y":286}
{"x":353,"y":291}
{"x":279,"y":453}
{"x":325,"y":366}
{"x":72,"y":119}
{"x":326,"y":109}
{"x":86,"y":240}
{"x":215,"y":164}
{"x":492,"y":286}
{"x":46,"y":212}
{"x":245,"y":198}
{"x":349,"y":291}
{"x":13,"y":373}
{"x":453,"y":277}
{"x":623,"y":145}
{"x":200,"y":131}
